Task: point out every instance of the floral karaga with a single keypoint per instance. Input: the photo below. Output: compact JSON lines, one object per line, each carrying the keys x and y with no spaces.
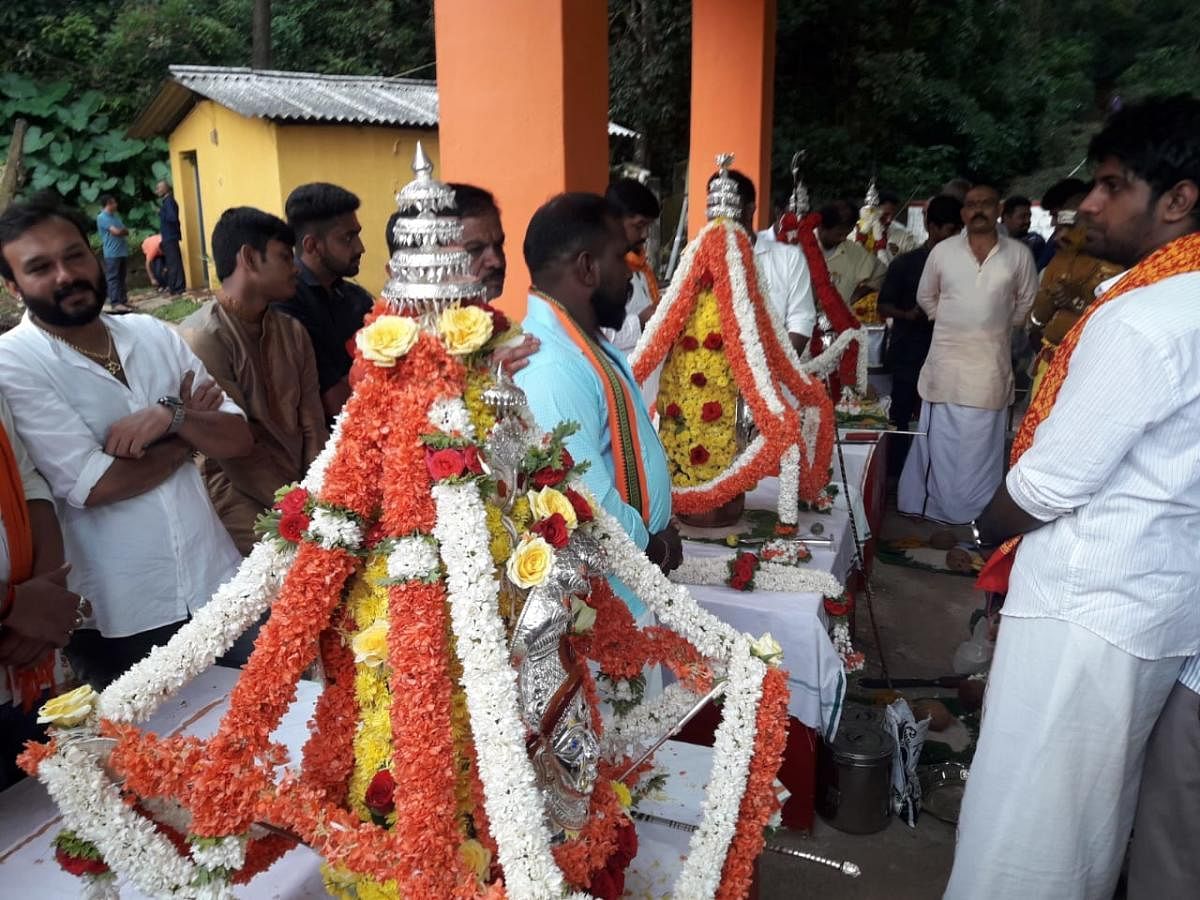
{"x":428,"y":539}
{"x":719,"y":336}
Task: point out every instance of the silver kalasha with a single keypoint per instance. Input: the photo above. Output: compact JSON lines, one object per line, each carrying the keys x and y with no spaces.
{"x":798,"y":203}
{"x":724,"y":201}
{"x":872,"y":199}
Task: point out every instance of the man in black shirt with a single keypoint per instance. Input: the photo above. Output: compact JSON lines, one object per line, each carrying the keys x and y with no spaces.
{"x":331,"y":309}
{"x":911,"y":331}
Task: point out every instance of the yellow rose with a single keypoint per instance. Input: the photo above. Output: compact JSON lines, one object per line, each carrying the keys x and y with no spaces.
{"x":370,"y":645}
{"x":530,"y":563}
{"x":477,"y":857}
{"x":69,"y":709}
{"x":387,"y":339}
{"x":548,"y":501}
{"x":465,"y":329}
{"x":623,"y":794}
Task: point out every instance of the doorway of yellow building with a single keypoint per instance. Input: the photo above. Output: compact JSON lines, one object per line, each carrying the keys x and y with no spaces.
{"x":196,"y":237}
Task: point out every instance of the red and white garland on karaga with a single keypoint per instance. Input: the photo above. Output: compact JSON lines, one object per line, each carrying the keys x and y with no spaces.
{"x":844,"y":361}
{"x":405,"y":476}
{"x":790,"y":408}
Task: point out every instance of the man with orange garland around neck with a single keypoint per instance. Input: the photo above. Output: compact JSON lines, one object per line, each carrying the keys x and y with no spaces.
{"x":575,"y":250}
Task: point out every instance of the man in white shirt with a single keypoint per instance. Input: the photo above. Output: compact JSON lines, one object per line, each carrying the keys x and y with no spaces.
{"x":896,"y":238}
{"x":1103,"y":604}
{"x":111,"y":411}
{"x":782,"y":266}
{"x":975,"y":288}
{"x":639,"y":210}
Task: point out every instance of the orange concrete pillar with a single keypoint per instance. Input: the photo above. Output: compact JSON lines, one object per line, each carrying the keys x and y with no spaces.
{"x":523,"y":97}
{"x":733,"y":97}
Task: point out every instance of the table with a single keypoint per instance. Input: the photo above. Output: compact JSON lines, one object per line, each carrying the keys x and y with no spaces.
{"x":29,"y":820}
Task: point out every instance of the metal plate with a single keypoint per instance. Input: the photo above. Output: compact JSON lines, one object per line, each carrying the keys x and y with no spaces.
{"x":942,"y":790}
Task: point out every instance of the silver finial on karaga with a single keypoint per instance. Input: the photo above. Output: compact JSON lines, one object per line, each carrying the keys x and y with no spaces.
{"x":798,"y":203}
{"x":872,"y":199}
{"x":430,"y":270}
{"x":724,"y":201}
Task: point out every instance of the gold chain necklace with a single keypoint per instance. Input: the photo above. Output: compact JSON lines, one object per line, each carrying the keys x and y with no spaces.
{"x":109,"y":360}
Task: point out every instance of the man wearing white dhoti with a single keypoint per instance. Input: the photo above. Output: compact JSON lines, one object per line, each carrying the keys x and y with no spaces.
{"x":975,"y":289}
{"x":1103,"y":604}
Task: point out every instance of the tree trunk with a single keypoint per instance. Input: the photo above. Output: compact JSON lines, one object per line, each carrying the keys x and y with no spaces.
{"x":260,"y":53}
{"x":10,"y":174}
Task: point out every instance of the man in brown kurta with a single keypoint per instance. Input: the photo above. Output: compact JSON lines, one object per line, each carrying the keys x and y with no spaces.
{"x":264,"y":361}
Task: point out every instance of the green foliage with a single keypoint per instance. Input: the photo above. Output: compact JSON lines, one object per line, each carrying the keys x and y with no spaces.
{"x":72,"y":148}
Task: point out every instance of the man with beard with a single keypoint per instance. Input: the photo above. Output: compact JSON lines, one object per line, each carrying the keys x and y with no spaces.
{"x":1103,"y":594}
{"x":975,"y":288}
{"x":854,"y":271}
{"x":331,"y":309}
{"x":639,"y":210}
{"x":575,"y":251}
{"x":262,"y":358}
{"x":111,"y":410}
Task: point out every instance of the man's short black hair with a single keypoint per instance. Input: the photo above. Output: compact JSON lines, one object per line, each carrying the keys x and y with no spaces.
{"x":565,"y":226}
{"x":311,"y":207}
{"x":1062,"y":191}
{"x":471,"y":201}
{"x":106,"y":199}
{"x":22,"y":215}
{"x":245,"y":226}
{"x":1157,"y":139}
{"x":745,"y":187}
{"x":839,"y":212}
{"x":944,"y":210}
{"x":1013,"y":203}
{"x":889,"y":197}
{"x":632,"y":198}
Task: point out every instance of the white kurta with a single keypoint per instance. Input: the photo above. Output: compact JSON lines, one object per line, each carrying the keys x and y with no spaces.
{"x":952,"y":472}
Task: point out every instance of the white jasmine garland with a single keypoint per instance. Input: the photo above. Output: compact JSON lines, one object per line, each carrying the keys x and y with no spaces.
{"x":735,"y":468}
{"x":314,"y":479}
{"x":332,"y":529}
{"x":450,"y":415}
{"x":823,"y":366}
{"x":647,"y":722}
{"x":220,"y":853}
{"x":788,"y":503}
{"x":414,"y":558}
{"x":743,"y":312}
{"x":214,"y":627}
{"x":769,"y":577}
{"x":658,"y":319}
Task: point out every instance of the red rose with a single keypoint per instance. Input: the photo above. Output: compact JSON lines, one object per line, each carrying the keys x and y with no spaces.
{"x":293,"y":501}
{"x":554,"y":530}
{"x":443,"y":464}
{"x":706,"y":281}
{"x":837,"y":606}
{"x":567,"y":462}
{"x":77,"y":865}
{"x":293,"y":526}
{"x":583,"y":509}
{"x":714,"y":341}
{"x":627,"y":844}
{"x":673,"y":411}
{"x":604,"y":886}
{"x":745,"y":564}
{"x":698,"y":456}
{"x":472,"y":461}
{"x":710,"y":412}
{"x":689,"y":343}
{"x":737,"y":582}
{"x":499,"y":320}
{"x":380,"y":798}
{"x":698,"y":379}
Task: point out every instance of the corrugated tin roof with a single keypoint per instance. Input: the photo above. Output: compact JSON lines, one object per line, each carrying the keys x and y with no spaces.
{"x":298,"y":97}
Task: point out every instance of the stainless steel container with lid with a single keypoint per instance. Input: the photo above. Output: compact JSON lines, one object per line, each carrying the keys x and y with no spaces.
{"x":854,"y":776}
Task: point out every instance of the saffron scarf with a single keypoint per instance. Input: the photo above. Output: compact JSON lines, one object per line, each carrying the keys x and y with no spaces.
{"x":637,"y":262}
{"x":1180,"y":256}
{"x":26,"y":684}
{"x":628,"y":468}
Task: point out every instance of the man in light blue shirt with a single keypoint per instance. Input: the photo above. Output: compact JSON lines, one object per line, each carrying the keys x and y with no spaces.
{"x":575,"y":251}
{"x":114,"y":244}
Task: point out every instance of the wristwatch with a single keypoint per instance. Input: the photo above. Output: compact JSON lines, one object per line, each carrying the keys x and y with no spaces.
{"x":975,"y":535}
{"x":177,"y":412}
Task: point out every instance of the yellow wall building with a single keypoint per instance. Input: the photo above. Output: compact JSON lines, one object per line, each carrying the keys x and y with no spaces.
{"x":240,"y":137}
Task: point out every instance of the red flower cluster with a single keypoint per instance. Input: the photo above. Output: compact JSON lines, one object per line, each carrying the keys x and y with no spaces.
{"x":583,"y":509}
{"x":673,"y":411}
{"x":699,"y":455}
{"x":294,"y":501}
{"x":554,"y":530}
{"x":711,"y":411}
{"x":714,"y":341}
{"x":292,"y":527}
{"x":838,"y":606}
{"x":450,"y":462}
{"x":609,"y":882}
{"x":687,"y":342}
{"x":549,"y":477}
{"x":741,"y":571}
{"x":381,"y":793}
{"x":78,"y":865}
{"x":293,"y":520}
{"x":699,"y":379}
{"x":706,"y":280}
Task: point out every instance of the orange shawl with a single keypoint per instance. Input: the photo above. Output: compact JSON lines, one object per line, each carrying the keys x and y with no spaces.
{"x":1176,"y":258}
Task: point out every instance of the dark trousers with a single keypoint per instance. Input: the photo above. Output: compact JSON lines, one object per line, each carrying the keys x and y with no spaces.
{"x":174,"y":258}
{"x":905,"y":410}
{"x":115,"y":270}
{"x":158,"y":269}
{"x":100,"y":661}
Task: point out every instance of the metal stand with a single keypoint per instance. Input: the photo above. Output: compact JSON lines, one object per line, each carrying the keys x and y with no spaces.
{"x":846,"y":867}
